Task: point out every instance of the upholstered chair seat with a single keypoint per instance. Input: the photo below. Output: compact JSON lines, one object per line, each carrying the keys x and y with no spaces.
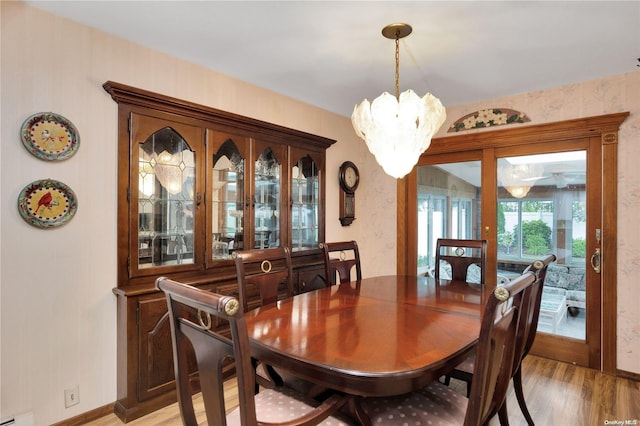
{"x":436,"y":404}
{"x":281,"y":405}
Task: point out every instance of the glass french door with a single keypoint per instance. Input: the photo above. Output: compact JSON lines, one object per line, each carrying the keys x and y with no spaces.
{"x":449,"y":203}
{"x":527,"y":202}
{"x":541,"y":209}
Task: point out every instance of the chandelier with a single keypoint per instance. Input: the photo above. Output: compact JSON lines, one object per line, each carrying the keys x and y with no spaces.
{"x":398,"y":129}
{"x":172,"y":170}
{"x":519,"y":178}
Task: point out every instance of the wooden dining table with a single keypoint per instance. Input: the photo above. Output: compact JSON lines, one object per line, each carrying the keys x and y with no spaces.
{"x":379,"y":336}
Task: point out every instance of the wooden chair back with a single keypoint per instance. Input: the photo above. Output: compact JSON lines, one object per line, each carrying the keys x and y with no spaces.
{"x":531,"y":313}
{"x":193,"y":315}
{"x":269,"y":271}
{"x":496,"y":349}
{"x":341,"y":258}
{"x":461,"y":254}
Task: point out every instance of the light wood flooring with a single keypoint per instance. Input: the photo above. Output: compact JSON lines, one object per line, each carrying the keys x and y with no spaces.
{"x":556,"y":393}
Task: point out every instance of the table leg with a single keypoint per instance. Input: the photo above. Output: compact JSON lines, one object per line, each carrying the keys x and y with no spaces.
{"x":357,"y":413}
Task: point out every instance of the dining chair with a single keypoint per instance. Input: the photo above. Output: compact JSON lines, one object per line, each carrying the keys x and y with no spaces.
{"x":193,"y":315}
{"x":340,"y":258}
{"x":527,"y":334}
{"x":263,"y":275}
{"x":524,"y":340}
{"x":269,"y":273}
{"x":439,"y":404}
{"x":460,"y":255}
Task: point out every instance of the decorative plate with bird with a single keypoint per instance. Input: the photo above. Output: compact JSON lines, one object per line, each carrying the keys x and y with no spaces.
{"x":47,"y":203}
{"x":50,"y":136}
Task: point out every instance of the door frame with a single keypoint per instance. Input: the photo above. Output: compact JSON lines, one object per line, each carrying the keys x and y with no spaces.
{"x":599,"y":130}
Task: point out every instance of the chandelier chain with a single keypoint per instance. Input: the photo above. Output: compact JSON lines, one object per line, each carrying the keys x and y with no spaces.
{"x":397,"y":66}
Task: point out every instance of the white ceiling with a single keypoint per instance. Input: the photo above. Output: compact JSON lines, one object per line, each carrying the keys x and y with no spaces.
{"x":331,"y":53}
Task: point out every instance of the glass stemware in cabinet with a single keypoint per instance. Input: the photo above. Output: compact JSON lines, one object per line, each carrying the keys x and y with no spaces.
{"x":305,"y":205}
{"x":267,"y":201}
{"x":227,"y":203}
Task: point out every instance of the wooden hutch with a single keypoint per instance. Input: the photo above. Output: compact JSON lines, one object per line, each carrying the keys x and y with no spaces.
{"x":194,"y":185}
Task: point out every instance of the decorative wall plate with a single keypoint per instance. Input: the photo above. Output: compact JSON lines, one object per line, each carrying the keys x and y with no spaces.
{"x":50,"y":136}
{"x":47,"y":203}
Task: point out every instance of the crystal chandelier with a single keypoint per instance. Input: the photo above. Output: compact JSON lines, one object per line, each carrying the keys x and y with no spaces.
{"x":398,"y":129}
{"x":519,"y":178}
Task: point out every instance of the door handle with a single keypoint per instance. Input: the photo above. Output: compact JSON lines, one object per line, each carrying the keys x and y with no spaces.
{"x":595,"y":261}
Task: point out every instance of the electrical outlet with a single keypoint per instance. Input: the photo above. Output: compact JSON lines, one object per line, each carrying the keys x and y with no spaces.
{"x":71,"y":396}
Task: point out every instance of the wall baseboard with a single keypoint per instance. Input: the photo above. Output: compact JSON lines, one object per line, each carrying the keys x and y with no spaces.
{"x":24,"y":419}
{"x":88,"y":416}
{"x":628,"y":375}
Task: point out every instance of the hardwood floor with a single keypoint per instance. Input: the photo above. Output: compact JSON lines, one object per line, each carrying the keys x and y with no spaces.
{"x":556,"y":393}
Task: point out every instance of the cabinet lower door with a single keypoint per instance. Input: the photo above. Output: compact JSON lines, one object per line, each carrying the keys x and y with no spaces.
{"x":155,"y":353}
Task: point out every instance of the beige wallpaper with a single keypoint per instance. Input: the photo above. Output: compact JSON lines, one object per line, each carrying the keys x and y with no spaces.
{"x":58,"y":313}
{"x":605,"y":96}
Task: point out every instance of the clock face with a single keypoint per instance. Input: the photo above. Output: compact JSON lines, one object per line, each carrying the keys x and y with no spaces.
{"x":349,"y":176}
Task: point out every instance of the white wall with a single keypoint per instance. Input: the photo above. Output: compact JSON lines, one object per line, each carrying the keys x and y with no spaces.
{"x":58,"y":314}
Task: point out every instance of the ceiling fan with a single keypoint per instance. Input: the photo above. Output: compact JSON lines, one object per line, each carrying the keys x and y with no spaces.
{"x":560,"y":179}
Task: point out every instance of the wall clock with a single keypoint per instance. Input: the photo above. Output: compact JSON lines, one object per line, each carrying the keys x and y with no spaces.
{"x":349,"y":179}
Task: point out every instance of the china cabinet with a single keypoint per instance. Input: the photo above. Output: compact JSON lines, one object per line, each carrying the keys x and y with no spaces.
{"x":196,"y":184}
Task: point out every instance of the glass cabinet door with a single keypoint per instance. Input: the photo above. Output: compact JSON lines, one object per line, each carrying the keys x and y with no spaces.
{"x":305,"y":205}
{"x":166,"y":200}
{"x":227,"y":201}
{"x":267,"y":200}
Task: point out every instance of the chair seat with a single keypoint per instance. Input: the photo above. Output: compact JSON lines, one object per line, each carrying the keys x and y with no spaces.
{"x":464,"y":372}
{"x":280,"y":405}
{"x":467,"y":365}
{"x":435,"y":404}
